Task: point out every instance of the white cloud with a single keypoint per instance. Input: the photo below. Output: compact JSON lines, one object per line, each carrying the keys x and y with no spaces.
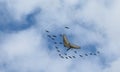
{"x":21,"y":42}
{"x":27,"y":50}
{"x":114,"y":67}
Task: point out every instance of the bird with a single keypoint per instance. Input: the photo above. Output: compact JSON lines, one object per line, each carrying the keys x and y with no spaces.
{"x":55,"y":42}
{"x":73,"y":56}
{"x":49,"y":36}
{"x":66,"y":57}
{"x":54,"y":36}
{"x":90,"y":53}
{"x":61,"y":35}
{"x":75,"y":51}
{"x":98,"y":52}
{"x":61,"y":56}
{"x":94,"y":53}
{"x":58,"y":50}
{"x":86,"y":54}
{"x":60,"y":42}
{"x":65,"y":54}
{"x":56,"y":47}
{"x":47,"y":31}
{"x":67,"y":27}
{"x":80,"y":55}
{"x":69,"y":56}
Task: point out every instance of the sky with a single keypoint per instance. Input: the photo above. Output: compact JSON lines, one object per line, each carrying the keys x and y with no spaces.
{"x":26,"y":47}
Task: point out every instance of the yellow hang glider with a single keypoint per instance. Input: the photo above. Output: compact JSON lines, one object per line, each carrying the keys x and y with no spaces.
{"x":68,"y":44}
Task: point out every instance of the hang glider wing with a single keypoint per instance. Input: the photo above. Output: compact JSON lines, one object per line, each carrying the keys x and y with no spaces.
{"x":65,"y":41}
{"x":74,"y":46}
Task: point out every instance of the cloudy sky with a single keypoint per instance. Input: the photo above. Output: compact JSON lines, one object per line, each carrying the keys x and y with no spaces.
{"x":93,"y":25}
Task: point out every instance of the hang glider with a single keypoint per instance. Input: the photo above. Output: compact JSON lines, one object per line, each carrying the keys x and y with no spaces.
{"x":68,"y":44}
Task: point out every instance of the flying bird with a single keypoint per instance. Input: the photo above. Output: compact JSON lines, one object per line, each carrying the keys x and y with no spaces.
{"x":66,"y":57}
{"x":56,"y":47}
{"x":61,"y":56}
{"x":98,"y":52}
{"x":86,"y":54}
{"x":58,"y":50}
{"x":60,"y":42}
{"x":61,"y":35}
{"x":65,"y":54}
{"x":90,"y":53}
{"x":55,"y":42}
{"x":54,"y":36}
{"x":73,"y":56}
{"x":49,"y":36}
{"x":68,"y":44}
{"x":67,"y":27}
{"x":47,"y":31}
{"x":69,"y":56}
{"x":75,"y":51}
{"x":80,"y":55}
{"x":94,"y":53}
